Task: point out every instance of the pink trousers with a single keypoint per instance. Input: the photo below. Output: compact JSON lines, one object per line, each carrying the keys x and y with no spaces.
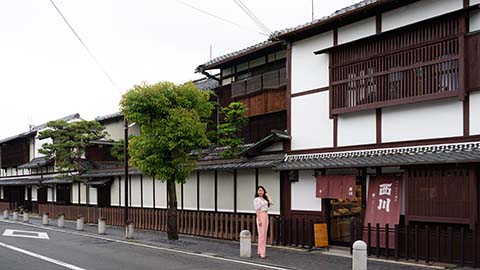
{"x":262,"y":233}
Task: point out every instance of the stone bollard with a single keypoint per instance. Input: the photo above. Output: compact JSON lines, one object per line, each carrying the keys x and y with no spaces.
{"x":15,"y":215}
{"x":5,"y":214}
{"x":61,"y":220}
{"x":45,"y":219}
{"x":80,"y":223}
{"x":129,"y":230}
{"x":359,"y":255}
{"x":101,"y":226}
{"x":245,"y":244}
{"x":25,"y":217}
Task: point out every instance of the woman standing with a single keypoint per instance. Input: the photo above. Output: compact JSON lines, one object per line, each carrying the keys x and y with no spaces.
{"x":262,"y":202}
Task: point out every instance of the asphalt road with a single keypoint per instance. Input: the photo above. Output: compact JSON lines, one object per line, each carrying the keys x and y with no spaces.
{"x":71,"y":251}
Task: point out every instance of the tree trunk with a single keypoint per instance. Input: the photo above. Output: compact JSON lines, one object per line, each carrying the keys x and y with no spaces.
{"x":172,"y":210}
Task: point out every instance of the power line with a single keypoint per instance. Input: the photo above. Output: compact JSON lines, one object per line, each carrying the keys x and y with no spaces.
{"x":86,"y":48}
{"x":218,"y":17}
{"x":252,"y":16}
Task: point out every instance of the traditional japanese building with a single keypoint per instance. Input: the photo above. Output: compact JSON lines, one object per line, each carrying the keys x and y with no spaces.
{"x":383,"y":101}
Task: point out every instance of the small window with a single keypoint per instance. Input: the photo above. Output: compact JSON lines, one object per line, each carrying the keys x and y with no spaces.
{"x":243,"y":76}
{"x":242,"y":67}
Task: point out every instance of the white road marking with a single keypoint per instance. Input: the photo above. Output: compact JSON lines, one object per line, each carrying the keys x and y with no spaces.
{"x":258,"y":265}
{"x":26,"y":234}
{"x":41,"y":257}
{"x":265,"y":266}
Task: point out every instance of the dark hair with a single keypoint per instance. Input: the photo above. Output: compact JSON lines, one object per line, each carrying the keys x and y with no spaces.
{"x":264,"y":194}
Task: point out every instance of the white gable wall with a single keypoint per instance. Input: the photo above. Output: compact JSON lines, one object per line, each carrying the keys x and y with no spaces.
{"x":161,"y":194}
{"x":190,"y":193}
{"x":425,"y":120}
{"x":304,"y":193}
{"x":147,"y":192}
{"x":245,"y":190}
{"x":475,"y":20}
{"x":225,"y":191}
{"x":357,"y":30}
{"x":357,"y":128}
{"x":418,"y":11}
{"x":474,"y":2}
{"x":311,"y":125}
{"x":271,"y":181}
{"x":310,"y":71}
{"x":474,"y":113}
{"x":207,"y":191}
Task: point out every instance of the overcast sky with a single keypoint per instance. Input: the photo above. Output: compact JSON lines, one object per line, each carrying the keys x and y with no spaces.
{"x":46,"y":74}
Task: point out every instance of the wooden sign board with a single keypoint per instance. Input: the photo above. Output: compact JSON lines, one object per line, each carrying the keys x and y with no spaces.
{"x":321,"y":235}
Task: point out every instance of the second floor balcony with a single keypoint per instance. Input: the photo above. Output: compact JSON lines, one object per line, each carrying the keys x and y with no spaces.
{"x":269,"y":80}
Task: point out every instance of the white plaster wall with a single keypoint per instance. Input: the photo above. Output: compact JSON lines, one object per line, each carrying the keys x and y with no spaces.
{"x":311,"y":125}
{"x":1,"y":192}
{"x":83,"y":194}
{"x":475,"y":20}
{"x":51,"y":194}
{"x":474,"y":113}
{"x":271,"y":181}
{"x":121,"y":183}
{"x":310,"y":71}
{"x":357,"y":30}
{"x":303,"y":193}
{"x":418,"y":11}
{"x":115,"y":130}
{"x":160,"y":194}
{"x":38,"y":145}
{"x":114,"y":199}
{"x":178,"y":189}
{"x":207,"y":191}
{"x":245,"y":191}
{"x":474,"y":2}
{"x":190,"y":193}
{"x":225,"y":191}
{"x":26,"y":194}
{"x":74,"y":196}
{"x":426,"y":120}
{"x":92,"y":193}
{"x":136,"y":199}
{"x":34,"y":193}
{"x":357,"y":128}
{"x":147,"y":192}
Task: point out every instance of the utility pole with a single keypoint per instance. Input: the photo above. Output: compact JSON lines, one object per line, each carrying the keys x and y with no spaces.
{"x":313,"y":16}
{"x":125,"y":153}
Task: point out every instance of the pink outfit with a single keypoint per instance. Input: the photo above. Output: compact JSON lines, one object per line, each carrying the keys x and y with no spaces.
{"x":261,"y":206}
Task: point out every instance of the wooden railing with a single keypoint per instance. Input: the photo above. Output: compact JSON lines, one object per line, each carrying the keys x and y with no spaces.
{"x":208,"y":224}
{"x":269,"y":80}
{"x":419,"y":74}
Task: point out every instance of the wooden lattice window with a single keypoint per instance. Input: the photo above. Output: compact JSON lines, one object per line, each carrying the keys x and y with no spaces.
{"x":440,"y":195}
{"x":414,"y":64}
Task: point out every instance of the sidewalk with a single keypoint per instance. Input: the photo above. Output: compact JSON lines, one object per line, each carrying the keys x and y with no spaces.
{"x":278,"y":256}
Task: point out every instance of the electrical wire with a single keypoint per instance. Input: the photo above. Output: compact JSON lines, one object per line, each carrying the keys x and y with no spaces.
{"x":86,"y":48}
{"x":252,"y":16}
{"x":218,"y":17}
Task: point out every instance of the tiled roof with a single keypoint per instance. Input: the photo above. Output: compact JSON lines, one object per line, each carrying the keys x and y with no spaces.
{"x":263,"y":161}
{"x":325,"y":18}
{"x":245,"y":51}
{"x":432,"y":154}
{"x":38,"y":128}
{"x":206,"y":84}
{"x":36,"y":162}
{"x":108,"y":116}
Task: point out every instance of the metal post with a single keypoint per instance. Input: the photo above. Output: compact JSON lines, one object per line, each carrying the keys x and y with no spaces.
{"x":125,"y":156}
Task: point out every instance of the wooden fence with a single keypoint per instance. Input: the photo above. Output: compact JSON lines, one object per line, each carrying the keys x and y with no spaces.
{"x":429,"y":243}
{"x":208,"y":224}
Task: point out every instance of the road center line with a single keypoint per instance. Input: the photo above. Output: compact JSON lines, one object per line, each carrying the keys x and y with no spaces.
{"x":41,"y":257}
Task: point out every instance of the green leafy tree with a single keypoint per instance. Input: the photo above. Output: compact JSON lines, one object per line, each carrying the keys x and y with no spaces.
{"x":69,"y":142}
{"x":173,"y":123}
{"x":234,"y":120}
